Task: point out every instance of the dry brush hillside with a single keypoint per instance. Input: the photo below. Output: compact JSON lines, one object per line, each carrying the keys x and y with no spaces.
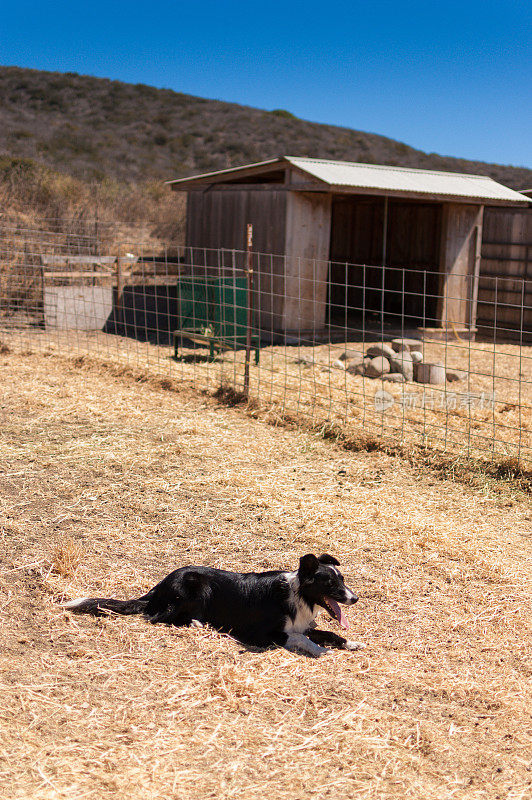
{"x":95,"y":128}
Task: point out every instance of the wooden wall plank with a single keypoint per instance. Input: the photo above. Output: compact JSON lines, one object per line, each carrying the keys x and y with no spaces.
{"x":217,"y":219}
{"x":308,"y":233}
{"x":505,"y":290}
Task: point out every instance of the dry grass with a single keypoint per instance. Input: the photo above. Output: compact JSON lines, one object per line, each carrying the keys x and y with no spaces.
{"x":140,"y":480}
{"x":67,"y":557}
{"x":300,"y":384}
{"x":103,"y":213}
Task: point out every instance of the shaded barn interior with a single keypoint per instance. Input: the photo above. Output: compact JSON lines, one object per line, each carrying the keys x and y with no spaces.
{"x":407,"y":242}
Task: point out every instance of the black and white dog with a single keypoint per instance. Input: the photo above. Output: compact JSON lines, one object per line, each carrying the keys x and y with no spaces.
{"x":260,"y":609}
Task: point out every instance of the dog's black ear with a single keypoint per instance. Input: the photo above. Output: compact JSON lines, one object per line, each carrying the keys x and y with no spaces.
{"x":307,"y":566}
{"x":327,"y":559}
{"x":193,"y":583}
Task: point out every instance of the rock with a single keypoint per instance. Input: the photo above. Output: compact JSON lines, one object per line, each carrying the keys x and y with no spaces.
{"x":430,"y":373}
{"x":339,"y":364}
{"x":417,"y":356}
{"x":454,"y":376}
{"x":357,"y":369}
{"x":351,"y":355}
{"x":380,"y":350}
{"x":399,"y":348}
{"x":377,"y":366}
{"x":394,"y":377}
{"x":402,"y":362}
{"x":405,"y":344}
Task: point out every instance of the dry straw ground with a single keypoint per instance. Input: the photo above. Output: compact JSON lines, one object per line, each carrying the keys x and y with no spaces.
{"x":485,"y":416}
{"x":108,"y":483}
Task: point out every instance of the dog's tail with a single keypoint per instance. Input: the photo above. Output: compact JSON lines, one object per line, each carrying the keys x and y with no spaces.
{"x":100,"y":606}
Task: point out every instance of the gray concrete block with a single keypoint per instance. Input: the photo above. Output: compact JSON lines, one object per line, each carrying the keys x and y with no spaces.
{"x":77,"y":307}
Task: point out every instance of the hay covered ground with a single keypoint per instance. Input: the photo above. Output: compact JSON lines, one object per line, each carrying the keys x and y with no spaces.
{"x":108,"y":483}
{"x":487,"y":415}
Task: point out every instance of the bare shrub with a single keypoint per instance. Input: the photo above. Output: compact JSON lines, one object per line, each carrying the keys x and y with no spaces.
{"x":107,"y":208}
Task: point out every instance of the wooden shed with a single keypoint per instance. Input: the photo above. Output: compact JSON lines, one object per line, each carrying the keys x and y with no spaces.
{"x":343,"y":239}
{"x":505,"y":286}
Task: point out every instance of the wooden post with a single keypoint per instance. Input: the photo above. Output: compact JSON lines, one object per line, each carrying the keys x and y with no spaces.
{"x":385,"y":232}
{"x":384,"y":256}
{"x":477,"y":247}
{"x":118,"y":314}
{"x":301,"y":298}
{"x":249,"y":277}
{"x":43,"y":292}
{"x":460,"y":259}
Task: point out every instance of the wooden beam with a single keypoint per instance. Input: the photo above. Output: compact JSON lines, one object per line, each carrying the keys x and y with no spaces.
{"x":275,"y":165}
{"x":49,"y":261}
{"x":77,"y":274}
{"x":259,"y":187}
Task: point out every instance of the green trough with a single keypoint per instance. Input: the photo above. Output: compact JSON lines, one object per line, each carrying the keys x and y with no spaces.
{"x":213,"y":312}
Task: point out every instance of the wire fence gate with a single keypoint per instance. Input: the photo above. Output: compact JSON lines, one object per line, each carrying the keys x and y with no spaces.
{"x":390,"y":353}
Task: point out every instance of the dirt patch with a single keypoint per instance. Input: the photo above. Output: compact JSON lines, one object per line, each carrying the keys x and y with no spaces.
{"x":108,"y":483}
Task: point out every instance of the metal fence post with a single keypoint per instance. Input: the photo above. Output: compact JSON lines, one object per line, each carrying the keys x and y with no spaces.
{"x":249,"y":277}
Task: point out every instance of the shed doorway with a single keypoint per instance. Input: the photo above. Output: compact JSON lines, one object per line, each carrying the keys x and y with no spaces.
{"x":404,"y":292}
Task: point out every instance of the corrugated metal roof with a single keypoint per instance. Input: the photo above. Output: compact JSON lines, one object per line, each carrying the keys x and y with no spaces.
{"x":403,"y":179}
{"x":374,"y":178}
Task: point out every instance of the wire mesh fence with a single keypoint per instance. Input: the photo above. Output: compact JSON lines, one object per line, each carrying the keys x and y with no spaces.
{"x":386,"y":353}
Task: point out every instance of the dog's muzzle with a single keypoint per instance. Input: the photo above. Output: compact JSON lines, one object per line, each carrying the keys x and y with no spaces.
{"x":350,"y":597}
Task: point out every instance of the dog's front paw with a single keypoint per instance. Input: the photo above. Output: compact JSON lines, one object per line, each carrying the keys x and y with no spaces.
{"x":352,"y":645}
{"x":195,"y":623}
{"x":299,"y":643}
{"x":319,"y":651}
{"x":313,"y":650}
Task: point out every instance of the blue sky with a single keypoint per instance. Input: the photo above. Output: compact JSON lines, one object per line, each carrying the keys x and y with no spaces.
{"x":448,"y":77}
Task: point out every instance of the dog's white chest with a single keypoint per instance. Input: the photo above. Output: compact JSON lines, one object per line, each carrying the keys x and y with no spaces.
{"x":303,"y":613}
{"x":302,"y":620}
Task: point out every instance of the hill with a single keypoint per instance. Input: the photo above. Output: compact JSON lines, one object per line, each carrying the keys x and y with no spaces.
{"x":96,"y":129}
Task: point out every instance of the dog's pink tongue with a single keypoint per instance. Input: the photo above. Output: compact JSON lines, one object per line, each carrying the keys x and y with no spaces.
{"x":338,"y":613}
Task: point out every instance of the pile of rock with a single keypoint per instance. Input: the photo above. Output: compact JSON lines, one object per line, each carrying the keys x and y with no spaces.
{"x":399,"y":361}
